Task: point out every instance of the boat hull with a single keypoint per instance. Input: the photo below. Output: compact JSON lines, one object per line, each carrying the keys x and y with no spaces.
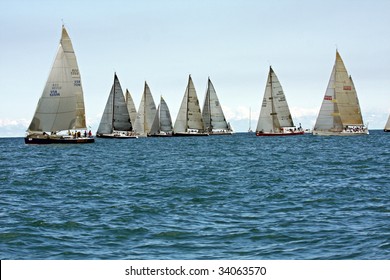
{"x":116,"y":136}
{"x":341,"y":133}
{"x":58,"y":140}
{"x":188,"y":134}
{"x":386,"y":130}
{"x":220,"y":133}
{"x":160,"y":135}
{"x":280,"y":134}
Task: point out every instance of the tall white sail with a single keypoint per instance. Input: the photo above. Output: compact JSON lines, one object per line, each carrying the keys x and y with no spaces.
{"x":61,"y":106}
{"x":131,"y":107}
{"x":274,"y":113}
{"x":115,"y":116}
{"x":146,"y":113}
{"x":189,"y":116}
{"x":340,"y":109}
{"x":162,"y":121}
{"x":212,"y":113}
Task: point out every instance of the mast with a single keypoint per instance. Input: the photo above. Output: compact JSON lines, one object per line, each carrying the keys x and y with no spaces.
{"x":113,"y":106}
{"x":249,"y":119}
{"x":188,"y":100}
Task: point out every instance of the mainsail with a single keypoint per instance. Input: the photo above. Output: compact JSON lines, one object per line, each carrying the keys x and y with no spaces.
{"x":131,"y":107}
{"x":61,"y":106}
{"x":340,"y":109}
{"x":115,"y":116}
{"x":162,"y":121}
{"x":189,"y":116}
{"x":387,"y":126}
{"x":212,"y":113}
{"x":146,"y":113}
{"x":275,"y":113}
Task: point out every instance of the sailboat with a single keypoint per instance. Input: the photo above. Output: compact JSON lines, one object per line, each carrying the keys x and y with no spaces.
{"x":131,"y":107}
{"x":387,"y":125}
{"x":61,"y":106}
{"x":275,"y":118}
{"x":340,"y":110}
{"x":115,"y":122}
{"x":162,"y":124}
{"x":145,"y":114}
{"x":189,"y":120}
{"x":250,"y":121}
{"x":212,"y":113}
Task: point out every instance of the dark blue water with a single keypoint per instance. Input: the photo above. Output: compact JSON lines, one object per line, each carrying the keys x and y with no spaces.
{"x":226,"y":197}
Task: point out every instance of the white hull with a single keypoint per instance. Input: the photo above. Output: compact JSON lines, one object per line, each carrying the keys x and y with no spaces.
{"x":339,"y":133}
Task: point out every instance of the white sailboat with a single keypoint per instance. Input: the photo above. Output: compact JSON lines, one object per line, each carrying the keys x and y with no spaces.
{"x":131,"y":107}
{"x":115,"y":122}
{"x":162,"y":124}
{"x":387,"y":126}
{"x":189,"y":120}
{"x":275,"y":117}
{"x":340,"y":110}
{"x":145,"y":114}
{"x":212,"y":113}
{"x":61,"y":106}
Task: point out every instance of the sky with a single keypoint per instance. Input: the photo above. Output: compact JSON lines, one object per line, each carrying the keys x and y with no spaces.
{"x":164,"y":41}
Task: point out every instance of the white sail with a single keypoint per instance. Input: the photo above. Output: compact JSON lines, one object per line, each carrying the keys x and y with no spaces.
{"x":387,"y":126}
{"x":274,"y":113}
{"x":340,"y":109}
{"x":61,"y":106}
{"x":146,"y":113}
{"x":189,"y":116}
{"x":212,"y":113}
{"x":115,"y":116}
{"x":162,"y":121}
{"x":131,"y":107}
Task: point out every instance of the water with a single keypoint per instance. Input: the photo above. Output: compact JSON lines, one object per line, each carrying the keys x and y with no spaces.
{"x":226,"y":197}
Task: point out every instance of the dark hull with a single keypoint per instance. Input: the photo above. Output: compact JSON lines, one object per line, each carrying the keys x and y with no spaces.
{"x":280,"y":134}
{"x":386,"y":130}
{"x":48,"y":140}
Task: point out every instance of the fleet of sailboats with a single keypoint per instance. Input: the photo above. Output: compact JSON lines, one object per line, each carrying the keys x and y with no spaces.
{"x":275,"y":117}
{"x":60,"y":114}
{"x":340,"y":110}
{"x":212,"y":113}
{"x":115,"y":122}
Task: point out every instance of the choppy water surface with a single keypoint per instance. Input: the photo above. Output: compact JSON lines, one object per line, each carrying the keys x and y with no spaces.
{"x":225,"y":197}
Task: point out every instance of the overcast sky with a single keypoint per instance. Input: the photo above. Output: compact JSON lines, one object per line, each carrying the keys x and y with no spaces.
{"x":162,"y":42}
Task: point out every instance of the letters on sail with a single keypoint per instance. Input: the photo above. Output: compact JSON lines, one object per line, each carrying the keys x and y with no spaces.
{"x":340,"y":110}
{"x":275,"y":117}
{"x":61,"y":105}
